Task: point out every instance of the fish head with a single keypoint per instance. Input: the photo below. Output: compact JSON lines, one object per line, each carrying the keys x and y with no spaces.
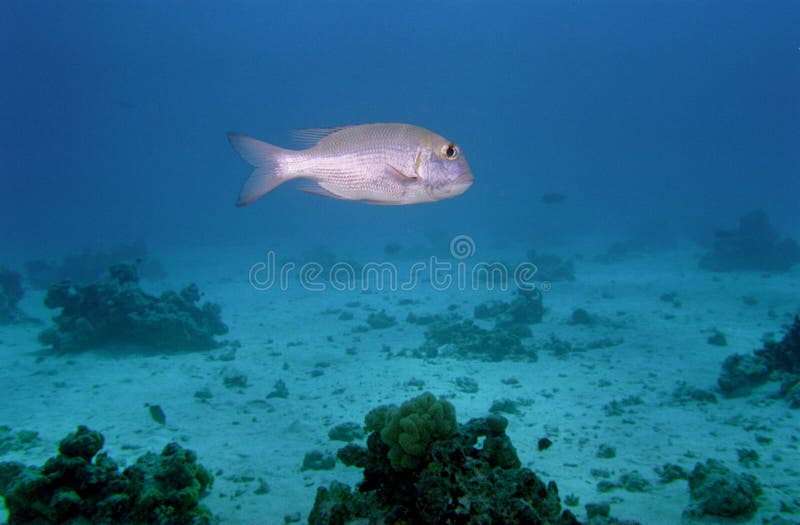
{"x":442,"y":168}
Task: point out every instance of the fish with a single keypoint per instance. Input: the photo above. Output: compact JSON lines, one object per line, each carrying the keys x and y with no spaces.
{"x":553,"y":198}
{"x":384,"y":163}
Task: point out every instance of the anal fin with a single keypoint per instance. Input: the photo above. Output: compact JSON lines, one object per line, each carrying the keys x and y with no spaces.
{"x":310,"y":186}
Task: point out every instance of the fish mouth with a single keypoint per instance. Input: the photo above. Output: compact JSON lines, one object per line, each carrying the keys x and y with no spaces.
{"x":462,"y":183}
{"x":465,"y":178}
{"x":451,"y":188}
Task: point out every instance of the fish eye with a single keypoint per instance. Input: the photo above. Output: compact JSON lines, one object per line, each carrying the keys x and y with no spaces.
{"x":450,"y":151}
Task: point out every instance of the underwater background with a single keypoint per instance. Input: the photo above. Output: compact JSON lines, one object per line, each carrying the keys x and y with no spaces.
{"x":643,"y":156}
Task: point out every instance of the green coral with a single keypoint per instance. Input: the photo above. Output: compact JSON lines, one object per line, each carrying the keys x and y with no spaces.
{"x":376,"y":418}
{"x":411,"y":429}
{"x":81,"y":485}
{"x":456,"y":480}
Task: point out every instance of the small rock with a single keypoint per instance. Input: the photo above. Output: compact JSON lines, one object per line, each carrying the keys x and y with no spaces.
{"x":204,"y":394}
{"x":633,"y":482}
{"x":233,"y":378}
{"x":580,"y":317}
{"x":507,"y":406}
{"x":597,"y":510}
{"x":606,"y":451}
{"x":316,"y":460}
{"x":346,"y":432}
{"x":466,"y":384}
{"x":279,"y":390}
{"x":747,"y":456}
{"x":294,"y":517}
{"x":157,"y":414}
{"x":717,"y":338}
{"x":669,"y":473}
{"x":263,"y":488}
{"x":381,"y":320}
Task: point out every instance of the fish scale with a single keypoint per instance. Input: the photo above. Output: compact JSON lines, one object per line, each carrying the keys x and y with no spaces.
{"x":374,"y":163}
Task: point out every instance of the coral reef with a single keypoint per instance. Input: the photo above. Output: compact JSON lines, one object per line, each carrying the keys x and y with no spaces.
{"x":551,"y":267}
{"x":451,"y":480}
{"x":515,"y":316}
{"x":80,"y":485}
{"x":755,"y":245}
{"x":451,"y":336}
{"x":718,"y":491}
{"x":525,"y":309}
{"x":90,"y":265}
{"x":19,"y":440}
{"x":11,"y":293}
{"x":741,"y":373}
{"x":118,"y":311}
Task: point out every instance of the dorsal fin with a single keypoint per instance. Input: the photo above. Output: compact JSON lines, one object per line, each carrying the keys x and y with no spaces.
{"x":309,"y":137}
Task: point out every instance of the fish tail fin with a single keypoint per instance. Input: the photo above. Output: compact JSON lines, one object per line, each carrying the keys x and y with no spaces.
{"x":266,"y":158}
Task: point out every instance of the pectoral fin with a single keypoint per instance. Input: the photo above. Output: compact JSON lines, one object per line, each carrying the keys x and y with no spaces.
{"x":397,"y":175}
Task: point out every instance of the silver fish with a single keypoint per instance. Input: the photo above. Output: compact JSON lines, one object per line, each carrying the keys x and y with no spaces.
{"x":374,"y":163}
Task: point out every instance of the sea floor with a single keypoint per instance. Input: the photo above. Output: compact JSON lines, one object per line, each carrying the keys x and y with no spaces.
{"x":335,"y":375}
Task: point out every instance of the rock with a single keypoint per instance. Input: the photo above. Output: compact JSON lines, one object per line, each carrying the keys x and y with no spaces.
{"x":633,"y":481}
{"x":464,"y":339}
{"x":118,"y":312}
{"x":157,"y":414}
{"x":83,"y":443}
{"x":754,"y":246}
{"x":747,"y":456}
{"x":347,"y":432}
{"x":11,"y":293}
{"x":233,"y":378}
{"x":717,"y":338}
{"x":551,"y":267}
{"x":606,"y":452}
{"x":668,"y":473}
{"x":741,"y":373}
{"x":466,"y":384}
{"x":594,"y":510}
{"x":718,"y":491}
{"x":317,"y":460}
{"x":279,"y":390}
{"x":580,"y":317}
{"x":381,"y":320}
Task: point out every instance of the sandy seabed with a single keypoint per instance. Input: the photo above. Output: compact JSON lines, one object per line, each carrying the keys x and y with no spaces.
{"x":243,"y":436}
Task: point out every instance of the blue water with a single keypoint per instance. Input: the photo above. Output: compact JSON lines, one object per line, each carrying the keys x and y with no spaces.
{"x":660,"y":115}
{"x":656,"y":120}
